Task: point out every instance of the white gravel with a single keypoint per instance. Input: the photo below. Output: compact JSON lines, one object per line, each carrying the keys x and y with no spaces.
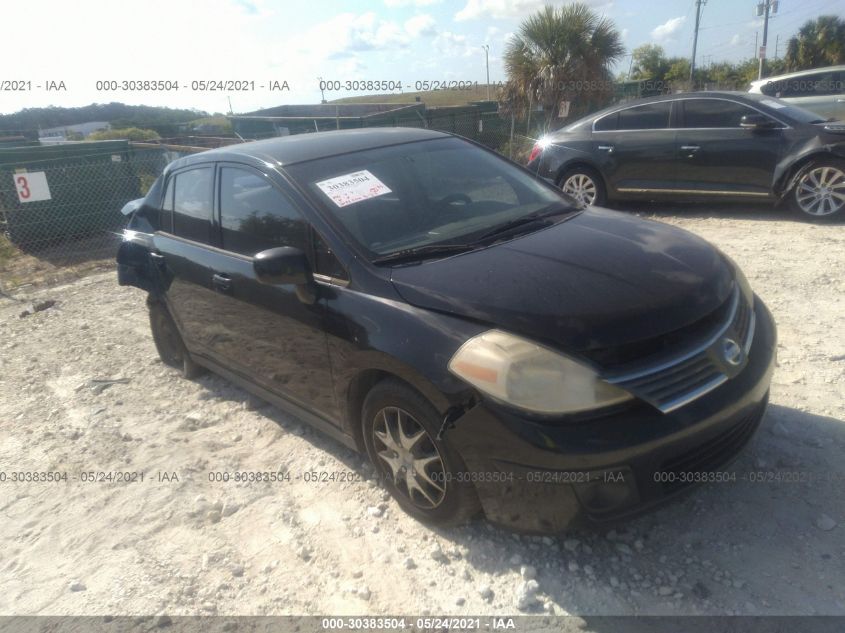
{"x":177,"y":543}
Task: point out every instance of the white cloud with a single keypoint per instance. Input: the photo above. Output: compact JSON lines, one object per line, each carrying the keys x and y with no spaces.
{"x":348,"y":33}
{"x":669,"y":28}
{"x":393,"y":4}
{"x":418,"y":25}
{"x":501,"y":9}
{"x":736,"y":40}
{"x":451,"y":44}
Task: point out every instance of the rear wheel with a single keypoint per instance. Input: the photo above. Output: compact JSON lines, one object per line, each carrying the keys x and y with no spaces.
{"x":819,"y":193}
{"x":424,"y":474}
{"x":168,"y":341}
{"x":585,"y":185}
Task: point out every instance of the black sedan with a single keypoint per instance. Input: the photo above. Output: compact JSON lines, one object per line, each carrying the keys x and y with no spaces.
{"x":700,"y":146}
{"x":488,"y":344}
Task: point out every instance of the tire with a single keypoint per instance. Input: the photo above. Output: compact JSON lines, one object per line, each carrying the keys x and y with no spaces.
{"x":585,"y":185}
{"x":819,"y":194}
{"x":168,"y":341}
{"x":441,"y":500}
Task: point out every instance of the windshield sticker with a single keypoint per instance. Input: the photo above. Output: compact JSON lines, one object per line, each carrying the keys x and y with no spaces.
{"x":773,"y":104}
{"x":351,"y":188}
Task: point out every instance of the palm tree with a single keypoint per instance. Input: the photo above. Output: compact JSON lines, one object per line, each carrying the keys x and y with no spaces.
{"x":561,"y":54}
{"x":820,"y":42}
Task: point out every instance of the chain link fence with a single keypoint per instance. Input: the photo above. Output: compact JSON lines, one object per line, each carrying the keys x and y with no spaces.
{"x":60,"y":207}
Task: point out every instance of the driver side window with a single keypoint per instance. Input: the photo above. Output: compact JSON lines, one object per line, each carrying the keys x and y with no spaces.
{"x":255,"y":215}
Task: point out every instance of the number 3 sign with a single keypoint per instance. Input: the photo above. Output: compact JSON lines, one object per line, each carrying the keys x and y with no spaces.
{"x":32,"y":186}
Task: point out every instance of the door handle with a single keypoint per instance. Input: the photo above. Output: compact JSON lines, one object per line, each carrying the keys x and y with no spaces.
{"x":840,"y":101}
{"x":606,"y":148}
{"x":221,"y":282}
{"x":690,"y":148}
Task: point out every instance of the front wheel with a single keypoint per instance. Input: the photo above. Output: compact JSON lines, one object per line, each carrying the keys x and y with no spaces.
{"x":819,"y":193}
{"x":585,"y":185}
{"x":425,"y":475}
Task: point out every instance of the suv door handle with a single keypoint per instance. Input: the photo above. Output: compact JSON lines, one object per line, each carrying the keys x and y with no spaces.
{"x":221,"y":282}
{"x":690,"y":148}
{"x":606,"y":148}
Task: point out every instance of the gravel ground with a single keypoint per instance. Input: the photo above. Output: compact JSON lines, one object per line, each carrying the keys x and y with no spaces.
{"x":180,"y":544}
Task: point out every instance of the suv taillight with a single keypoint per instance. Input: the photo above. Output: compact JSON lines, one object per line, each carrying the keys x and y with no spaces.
{"x":535,"y":152}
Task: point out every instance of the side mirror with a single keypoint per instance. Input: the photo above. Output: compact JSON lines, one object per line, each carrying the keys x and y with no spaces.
{"x":282,"y":265}
{"x":757,"y":122}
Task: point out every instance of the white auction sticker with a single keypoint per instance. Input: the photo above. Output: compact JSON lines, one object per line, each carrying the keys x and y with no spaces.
{"x":351,"y":188}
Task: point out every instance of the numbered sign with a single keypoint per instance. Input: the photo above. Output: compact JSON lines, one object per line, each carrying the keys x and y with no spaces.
{"x":32,"y":186}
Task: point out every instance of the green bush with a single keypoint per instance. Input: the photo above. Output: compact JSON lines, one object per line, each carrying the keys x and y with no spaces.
{"x":128,"y":133}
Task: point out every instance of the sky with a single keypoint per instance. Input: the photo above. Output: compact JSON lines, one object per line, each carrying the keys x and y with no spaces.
{"x":260,"y":42}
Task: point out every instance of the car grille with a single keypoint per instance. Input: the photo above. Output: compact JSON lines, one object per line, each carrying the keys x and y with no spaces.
{"x":681,"y":471}
{"x":675,"y":381}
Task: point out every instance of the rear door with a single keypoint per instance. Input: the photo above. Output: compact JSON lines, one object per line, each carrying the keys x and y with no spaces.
{"x":635,"y":148}
{"x":718,"y":157}
{"x":185,"y":253}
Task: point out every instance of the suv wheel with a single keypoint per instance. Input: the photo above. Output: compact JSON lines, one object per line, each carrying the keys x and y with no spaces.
{"x":819,"y":193}
{"x":421,"y":472}
{"x":168,"y":341}
{"x":585,"y":185}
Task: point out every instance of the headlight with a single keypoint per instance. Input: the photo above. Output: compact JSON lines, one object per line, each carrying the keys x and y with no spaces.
{"x":529,"y":376}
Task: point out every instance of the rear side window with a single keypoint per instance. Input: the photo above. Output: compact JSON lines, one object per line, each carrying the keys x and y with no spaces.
{"x":714,"y":113}
{"x":650,"y":116}
{"x":192,"y":204}
{"x":607,"y":123}
{"x":165,"y":216}
{"x":815,"y":85}
{"x":255,"y":215}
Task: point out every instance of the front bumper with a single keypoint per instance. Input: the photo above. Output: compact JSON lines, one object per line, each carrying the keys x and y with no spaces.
{"x":543,"y":477}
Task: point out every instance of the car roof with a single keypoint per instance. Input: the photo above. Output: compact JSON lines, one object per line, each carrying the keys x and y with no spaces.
{"x":800,"y":73}
{"x":664,"y":97}
{"x":298,"y":148}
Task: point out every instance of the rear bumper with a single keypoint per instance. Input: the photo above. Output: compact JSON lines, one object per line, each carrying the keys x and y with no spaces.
{"x":541,"y":477}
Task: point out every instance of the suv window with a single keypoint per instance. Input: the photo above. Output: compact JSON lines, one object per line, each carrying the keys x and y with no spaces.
{"x":714,"y":113}
{"x":192,"y":204}
{"x":813,"y":85}
{"x":255,"y":215}
{"x":649,"y":116}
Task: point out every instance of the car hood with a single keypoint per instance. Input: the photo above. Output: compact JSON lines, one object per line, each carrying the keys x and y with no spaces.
{"x":597,"y":280}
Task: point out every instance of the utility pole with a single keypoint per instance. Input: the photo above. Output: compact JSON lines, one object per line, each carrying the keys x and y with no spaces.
{"x":763,"y":9}
{"x":322,"y":90}
{"x":698,"y":4}
{"x":486,"y":48}
{"x":777,"y":45}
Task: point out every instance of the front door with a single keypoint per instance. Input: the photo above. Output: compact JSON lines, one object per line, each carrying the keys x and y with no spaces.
{"x":717,"y":157}
{"x":267,"y":332}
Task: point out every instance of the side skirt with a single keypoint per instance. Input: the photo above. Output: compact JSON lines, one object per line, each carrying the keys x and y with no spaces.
{"x":279,"y":402}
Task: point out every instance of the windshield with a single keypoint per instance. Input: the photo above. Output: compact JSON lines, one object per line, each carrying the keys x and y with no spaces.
{"x":425,"y":193}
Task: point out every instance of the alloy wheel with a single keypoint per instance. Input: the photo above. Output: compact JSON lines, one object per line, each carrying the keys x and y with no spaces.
{"x":581,"y":187}
{"x":821,"y":191}
{"x":409,"y":452}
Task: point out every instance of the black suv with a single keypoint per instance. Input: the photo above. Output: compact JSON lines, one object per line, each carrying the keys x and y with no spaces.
{"x":486,"y":342}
